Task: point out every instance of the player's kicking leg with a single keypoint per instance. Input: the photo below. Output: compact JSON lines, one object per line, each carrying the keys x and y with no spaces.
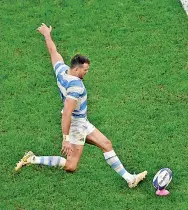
{"x":69,"y":164}
{"x":98,"y":139}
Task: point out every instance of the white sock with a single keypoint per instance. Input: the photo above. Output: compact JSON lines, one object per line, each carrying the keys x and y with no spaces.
{"x":49,"y":160}
{"x":112,"y":159}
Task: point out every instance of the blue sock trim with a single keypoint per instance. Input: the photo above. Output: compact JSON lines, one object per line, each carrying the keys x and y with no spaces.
{"x":58,"y":161}
{"x":116,"y":164}
{"x":122,"y":172}
{"x":41,"y":160}
{"x":50,"y":159}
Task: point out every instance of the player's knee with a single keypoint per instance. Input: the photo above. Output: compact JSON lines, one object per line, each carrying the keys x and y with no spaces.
{"x":70,"y":167}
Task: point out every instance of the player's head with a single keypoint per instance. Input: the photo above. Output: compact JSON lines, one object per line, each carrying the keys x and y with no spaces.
{"x":80,"y":64}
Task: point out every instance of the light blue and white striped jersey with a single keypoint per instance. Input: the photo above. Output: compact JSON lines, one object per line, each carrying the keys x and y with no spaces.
{"x":72,"y":87}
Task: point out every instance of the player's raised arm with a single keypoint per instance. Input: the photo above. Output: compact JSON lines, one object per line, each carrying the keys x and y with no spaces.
{"x":46,"y":32}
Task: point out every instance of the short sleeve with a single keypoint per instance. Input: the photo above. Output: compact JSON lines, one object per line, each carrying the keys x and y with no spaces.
{"x":60,"y":67}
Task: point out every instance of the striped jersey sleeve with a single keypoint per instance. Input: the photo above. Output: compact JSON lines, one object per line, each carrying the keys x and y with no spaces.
{"x":60,"y":67}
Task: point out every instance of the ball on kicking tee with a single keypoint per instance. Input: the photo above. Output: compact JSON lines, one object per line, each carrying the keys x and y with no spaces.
{"x":162,"y":178}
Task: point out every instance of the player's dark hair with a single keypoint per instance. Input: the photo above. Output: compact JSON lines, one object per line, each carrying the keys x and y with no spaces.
{"x":79,"y":60}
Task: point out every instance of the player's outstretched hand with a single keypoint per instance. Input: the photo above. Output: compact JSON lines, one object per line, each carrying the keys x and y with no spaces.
{"x":66,"y":148}
{"x":44,"y":30}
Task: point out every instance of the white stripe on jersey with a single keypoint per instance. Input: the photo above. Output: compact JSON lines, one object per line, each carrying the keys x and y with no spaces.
{"x":75,"y":89}
{"x":84,"y":98}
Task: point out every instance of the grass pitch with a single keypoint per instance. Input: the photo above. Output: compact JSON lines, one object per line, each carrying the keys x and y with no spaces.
{"x":138,"y":95}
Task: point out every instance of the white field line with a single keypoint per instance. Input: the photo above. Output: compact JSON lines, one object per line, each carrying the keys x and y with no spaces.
{"x":185,"y":5}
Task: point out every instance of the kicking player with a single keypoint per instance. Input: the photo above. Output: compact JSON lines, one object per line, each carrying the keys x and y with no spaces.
{"x":76,"y":128}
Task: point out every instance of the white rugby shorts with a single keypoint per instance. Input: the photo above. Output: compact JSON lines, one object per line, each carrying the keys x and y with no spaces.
{"x":80,"y":128}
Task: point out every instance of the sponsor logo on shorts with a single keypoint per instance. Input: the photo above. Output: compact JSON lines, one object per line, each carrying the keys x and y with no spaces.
{"x":82,"y":139}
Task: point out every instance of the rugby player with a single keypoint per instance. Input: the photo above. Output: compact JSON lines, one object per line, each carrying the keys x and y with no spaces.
{"x":76,"y":128}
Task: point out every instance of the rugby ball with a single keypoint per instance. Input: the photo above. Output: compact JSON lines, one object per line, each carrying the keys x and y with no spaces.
{"x":162,"y":178}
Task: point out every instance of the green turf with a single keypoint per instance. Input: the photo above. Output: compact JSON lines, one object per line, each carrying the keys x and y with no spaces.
{"x":138,"y":96}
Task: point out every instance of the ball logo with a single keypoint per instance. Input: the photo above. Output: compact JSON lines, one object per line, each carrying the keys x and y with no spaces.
{"x":163,"y":178}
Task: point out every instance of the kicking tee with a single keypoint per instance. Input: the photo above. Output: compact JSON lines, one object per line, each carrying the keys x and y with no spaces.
{"x":71,"y":87}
